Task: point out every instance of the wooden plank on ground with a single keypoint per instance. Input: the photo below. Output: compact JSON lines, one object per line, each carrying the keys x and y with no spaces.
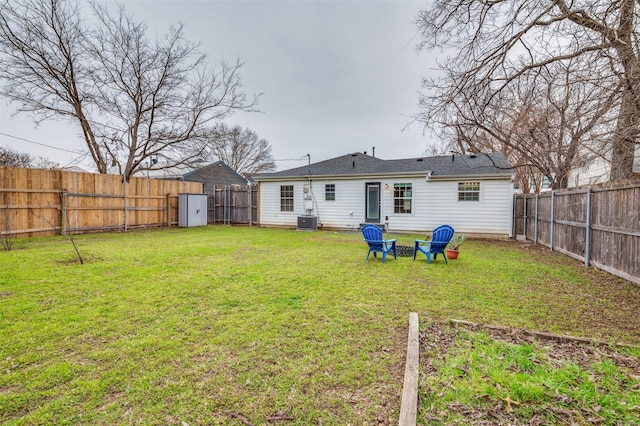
{"x":409,"y":405}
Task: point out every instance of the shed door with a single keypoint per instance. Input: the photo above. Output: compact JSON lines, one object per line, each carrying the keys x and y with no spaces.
{"x":372,"y":202}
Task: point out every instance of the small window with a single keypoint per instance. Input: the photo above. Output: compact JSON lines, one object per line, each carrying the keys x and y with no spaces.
{"x":286,"y":198}
{"x":546,"y":183}
{"x":469,"y":191}
{"x":402,"y":198}
{"x":330,"y":192}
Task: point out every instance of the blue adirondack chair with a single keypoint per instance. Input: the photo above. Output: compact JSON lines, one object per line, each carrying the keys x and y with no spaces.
{"x":438,"y":242}
{"x":373,"y":236}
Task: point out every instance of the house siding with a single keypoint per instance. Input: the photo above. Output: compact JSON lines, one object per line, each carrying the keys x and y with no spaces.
{"x":433,"y":203}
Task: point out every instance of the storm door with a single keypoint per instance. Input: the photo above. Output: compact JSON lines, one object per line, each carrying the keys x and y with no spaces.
{"x":372,"y":202}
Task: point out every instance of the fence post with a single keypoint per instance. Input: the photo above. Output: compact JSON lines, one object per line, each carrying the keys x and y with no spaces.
{"x":126,"y":217}
{"x":535,"y":222}
{"x":587,"y":245}
{"x":229,"y":206}
{"x":224,"y":205}
{"x":551,"y":219}
{"x":524,"y":221}
{"x":250,"y":208}
{"x":168,"y":210}
{"x":63,"y":212}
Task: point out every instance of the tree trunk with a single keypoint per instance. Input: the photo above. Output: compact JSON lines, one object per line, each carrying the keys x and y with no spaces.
{"x":624,"y":139}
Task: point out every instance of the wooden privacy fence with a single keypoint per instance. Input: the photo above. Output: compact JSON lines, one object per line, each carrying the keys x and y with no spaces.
{"x":37,"y":202}
{"x":233,"y":205}
{"x":599,"y":225}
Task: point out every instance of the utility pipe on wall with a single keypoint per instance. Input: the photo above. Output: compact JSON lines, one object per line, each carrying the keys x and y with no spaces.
{"x":587,"y":245}
{"x":553,"y":198}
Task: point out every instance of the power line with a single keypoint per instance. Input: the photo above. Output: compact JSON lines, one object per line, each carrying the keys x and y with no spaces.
{"x":41,"y":144}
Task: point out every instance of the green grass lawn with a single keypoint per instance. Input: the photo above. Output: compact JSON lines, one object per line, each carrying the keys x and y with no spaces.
{"x":232,"y":325}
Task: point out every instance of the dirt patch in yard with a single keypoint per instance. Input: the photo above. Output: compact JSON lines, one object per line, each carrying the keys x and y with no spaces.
{"x":438,"y":340}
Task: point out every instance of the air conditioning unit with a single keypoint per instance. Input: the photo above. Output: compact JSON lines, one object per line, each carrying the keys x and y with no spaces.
{"x":307,"y":223}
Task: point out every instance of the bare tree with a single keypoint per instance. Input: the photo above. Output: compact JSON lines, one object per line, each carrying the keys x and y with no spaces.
{"x":45,"y":65}
{"x":499,"y":44}
{"x":546,"y":125}
{"x":41,"y":162}
{"x":134,"y":98}
{"x":434,"y":149}
{"x":241,"y":149}
{"x":157,"y":95}
{"x":12,"y":158}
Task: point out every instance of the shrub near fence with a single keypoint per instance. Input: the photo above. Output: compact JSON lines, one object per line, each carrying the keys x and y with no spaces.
{"x":36,"y":202}
{"x":599,"y":225}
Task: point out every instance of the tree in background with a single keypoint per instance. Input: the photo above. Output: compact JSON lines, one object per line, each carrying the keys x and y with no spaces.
{"x":501,"y":46}
{"x":134,"y":98}
{"x":241,"y":149}
{"x":41,"y":162}
{"x":547,"y":125}
{"x":11,"y":158}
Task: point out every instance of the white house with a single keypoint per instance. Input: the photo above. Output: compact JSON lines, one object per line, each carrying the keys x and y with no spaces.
{"x":472,"y":193}
{"x":599,"y":171}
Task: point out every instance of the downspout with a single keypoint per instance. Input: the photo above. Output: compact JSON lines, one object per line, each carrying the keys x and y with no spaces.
{"x":552,"y":218}
{"x":587,"y":246}
{"x":513,"y":212}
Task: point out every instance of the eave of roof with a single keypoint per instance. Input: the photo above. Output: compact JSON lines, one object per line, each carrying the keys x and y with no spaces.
{"x":343,"y":176}
{"x":358,"y":166}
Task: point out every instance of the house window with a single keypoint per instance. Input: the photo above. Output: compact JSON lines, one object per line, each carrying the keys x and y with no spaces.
{"x":469,"y":191}
{"x":330,"y":192}
{"x":402,"y":198}
{"x":286,"y":198}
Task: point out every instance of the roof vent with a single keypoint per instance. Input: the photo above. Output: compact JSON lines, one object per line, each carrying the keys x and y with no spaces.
{"x":355,"y":154}
{"x":472,"y":155}
{"x":419,"y":159}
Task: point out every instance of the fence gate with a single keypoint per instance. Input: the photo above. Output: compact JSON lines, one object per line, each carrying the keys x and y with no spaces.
{"x":233,"y":205}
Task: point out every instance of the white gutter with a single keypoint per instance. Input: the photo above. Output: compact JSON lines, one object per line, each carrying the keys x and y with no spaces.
{"x":467,"y":177}
{"x":424,"y":173}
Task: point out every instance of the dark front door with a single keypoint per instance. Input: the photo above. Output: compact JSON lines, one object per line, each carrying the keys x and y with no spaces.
{"x":372,"y":201}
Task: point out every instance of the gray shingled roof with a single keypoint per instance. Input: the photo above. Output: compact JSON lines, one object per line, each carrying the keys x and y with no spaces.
{"x":361,"y":164}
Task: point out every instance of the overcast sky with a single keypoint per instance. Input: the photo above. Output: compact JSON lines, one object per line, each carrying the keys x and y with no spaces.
{"x":337,"y":76}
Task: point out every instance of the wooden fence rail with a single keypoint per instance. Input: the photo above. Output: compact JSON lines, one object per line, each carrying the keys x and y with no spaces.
{"x":598,"y":225}
{"x":37,"y":202}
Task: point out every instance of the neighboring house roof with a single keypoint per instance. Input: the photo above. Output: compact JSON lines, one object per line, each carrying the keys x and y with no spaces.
{"x":75,"y":169}
{"x":359,"y":164}
{"x":218,"y":173}
{"x":175,"y":172}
